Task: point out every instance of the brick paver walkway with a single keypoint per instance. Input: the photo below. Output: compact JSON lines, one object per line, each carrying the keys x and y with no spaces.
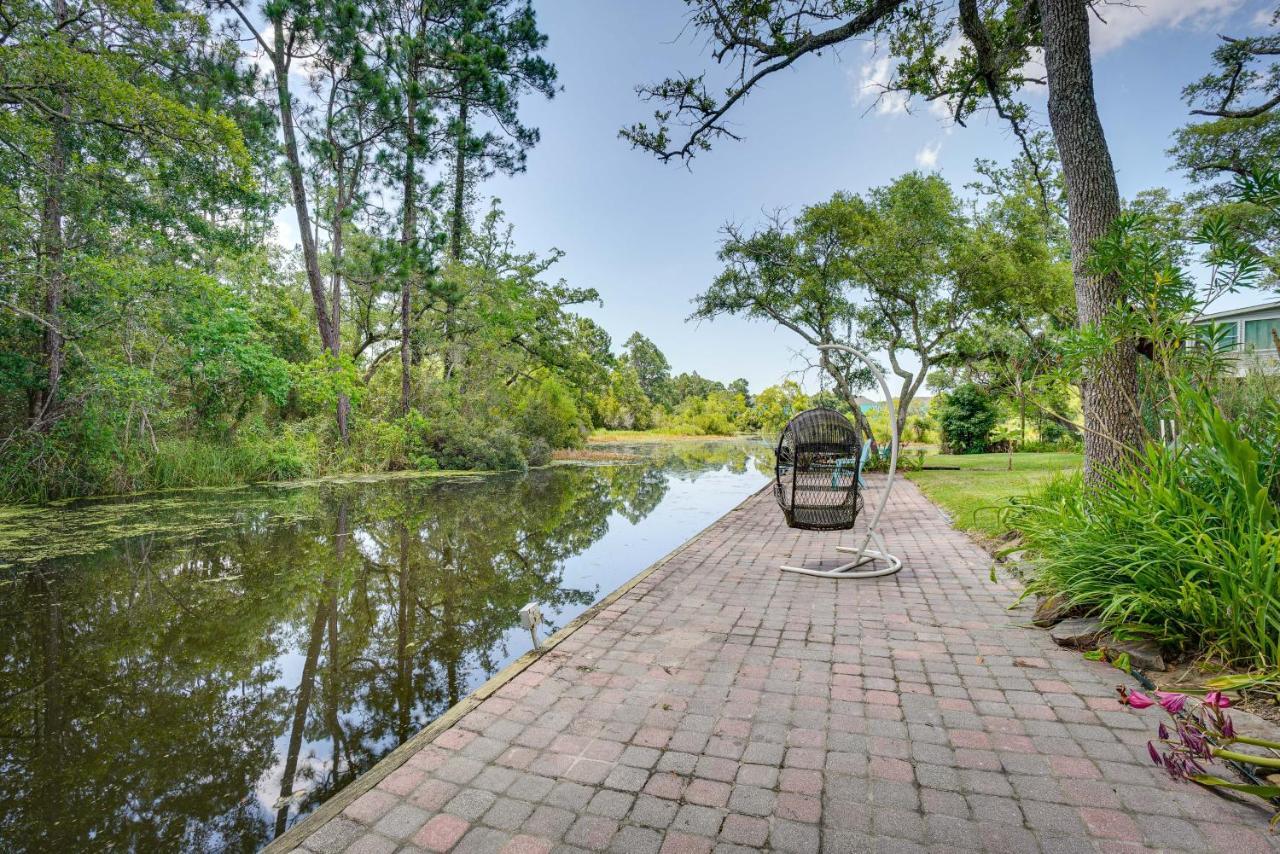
{"x":721,"y":704}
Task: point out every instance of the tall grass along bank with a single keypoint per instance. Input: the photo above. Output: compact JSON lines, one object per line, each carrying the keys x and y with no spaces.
{"x":1182,"y":547}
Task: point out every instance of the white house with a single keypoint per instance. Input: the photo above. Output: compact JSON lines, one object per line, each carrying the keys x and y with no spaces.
{"x":1249,"y":331}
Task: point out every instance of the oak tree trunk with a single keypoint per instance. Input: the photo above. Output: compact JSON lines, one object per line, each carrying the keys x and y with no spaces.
{"x":1110,"y":390}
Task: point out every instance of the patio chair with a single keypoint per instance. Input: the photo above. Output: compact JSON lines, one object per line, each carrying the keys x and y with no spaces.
{"x":818,"y":482}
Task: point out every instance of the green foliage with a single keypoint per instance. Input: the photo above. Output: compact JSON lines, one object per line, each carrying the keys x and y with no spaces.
{"x":686,"y":385}
{"x":1239,"y":133}
{"x":1182,"y":547}
{"x":538,"y":452}
{"x":320,"y":381}
{"x":498,"y":450}
{"x":624,"y":405}
{"x":1060,"y":442}
{"x":976,"y":489}
{"x":222,"y":361}
{"x":653,"y":372}
{"x":150,"y":337}
{"x":549,"y":413}
{"x":905,"y":269}
{"x":775,"y":406}
{"x":967,"y":417}
{"x":920,"y":428}
{"x":1180,"y":542}
{"x":719,"y":413}
{"x":88,"y":455}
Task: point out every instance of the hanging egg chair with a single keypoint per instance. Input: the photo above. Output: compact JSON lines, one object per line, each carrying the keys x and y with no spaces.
{"x":818,"y":482}
{"x":816,"y":471}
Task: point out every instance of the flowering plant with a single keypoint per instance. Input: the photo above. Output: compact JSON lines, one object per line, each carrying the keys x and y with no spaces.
{"x":1201,"y":735}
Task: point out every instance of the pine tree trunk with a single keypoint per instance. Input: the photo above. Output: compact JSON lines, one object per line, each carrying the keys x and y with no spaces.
{"x":409,"y":225}
{"x":335,"y":299}
{"x":1110,"y":391}
{"x":52,"y":267}
{"x":301,"y":707}
{"x":456,"y":225}
{"x":54,"y":274}
{"x":329,"y":336}
{"x":459,"y":184}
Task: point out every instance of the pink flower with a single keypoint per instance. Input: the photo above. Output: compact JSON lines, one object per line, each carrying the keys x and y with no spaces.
{"x":1217,"y":699}
{"x":1171,"y":702}
{"x":1136,"y":699}
{"x":1139,"y":700}
{"x":1155,"y":754}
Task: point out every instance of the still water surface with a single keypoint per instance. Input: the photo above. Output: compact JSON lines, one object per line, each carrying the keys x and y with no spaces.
{"x":195,"y":671}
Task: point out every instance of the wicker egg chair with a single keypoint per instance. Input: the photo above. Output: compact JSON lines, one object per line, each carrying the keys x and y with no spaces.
{"x":818,"y":482}
{"x":816,"y":471}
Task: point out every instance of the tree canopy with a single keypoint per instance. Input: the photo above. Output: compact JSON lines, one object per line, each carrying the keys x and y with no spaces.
{"x":965,"y":56}
{"x":903,"y":269}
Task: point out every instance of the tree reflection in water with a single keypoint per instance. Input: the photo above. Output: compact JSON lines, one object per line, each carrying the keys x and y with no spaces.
{"x":201,"y":690}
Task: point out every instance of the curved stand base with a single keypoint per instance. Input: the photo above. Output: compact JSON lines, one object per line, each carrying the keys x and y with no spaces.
{"x":864,"y":556}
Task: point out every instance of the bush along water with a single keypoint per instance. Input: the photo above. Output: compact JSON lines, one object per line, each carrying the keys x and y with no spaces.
{"x":1182,"y":546}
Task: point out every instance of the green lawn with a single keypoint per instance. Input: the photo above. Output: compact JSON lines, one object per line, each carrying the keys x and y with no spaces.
{"x":973,"y":494}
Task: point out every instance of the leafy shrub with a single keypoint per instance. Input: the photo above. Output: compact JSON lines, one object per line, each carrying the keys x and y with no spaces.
{"x":285,"y":454}
{"x":497,"y":449}
{"x":539,"y":452}
{"x":377,"y":446}
{"x":1183,"y":546}
{"x":967,"y":417}
{"x":548,"y":412}
{"x":503,"y":451}
{"x":1052,"y":432}
{"x":1065,"y":443}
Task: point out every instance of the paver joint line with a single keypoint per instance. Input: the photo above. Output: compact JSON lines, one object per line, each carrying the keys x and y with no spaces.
{"x":715,"y":702}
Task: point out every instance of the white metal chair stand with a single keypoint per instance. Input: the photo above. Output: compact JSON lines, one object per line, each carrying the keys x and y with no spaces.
{"x":864,"y":554}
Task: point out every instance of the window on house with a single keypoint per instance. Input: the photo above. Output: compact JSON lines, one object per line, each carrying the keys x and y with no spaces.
{"x":1223,"y":335}
{"x":1257,"y":333}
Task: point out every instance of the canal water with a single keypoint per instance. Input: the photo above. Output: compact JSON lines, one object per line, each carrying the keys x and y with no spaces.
{"x":197,"y":670}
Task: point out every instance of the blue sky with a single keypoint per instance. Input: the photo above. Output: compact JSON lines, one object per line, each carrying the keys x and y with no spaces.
{"x":645,"y":234}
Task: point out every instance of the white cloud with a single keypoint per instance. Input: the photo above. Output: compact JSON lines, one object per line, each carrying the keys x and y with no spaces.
{"x":927,"y":157}
{"x":1120,"y":22}
{"x":869,"y":86}
{"x":1125,"y":22}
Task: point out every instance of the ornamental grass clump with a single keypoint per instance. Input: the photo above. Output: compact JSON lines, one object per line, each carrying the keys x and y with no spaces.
{"x":1182,"y":546}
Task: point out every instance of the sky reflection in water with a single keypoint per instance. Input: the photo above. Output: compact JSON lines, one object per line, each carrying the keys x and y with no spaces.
{"x":197,"y":670}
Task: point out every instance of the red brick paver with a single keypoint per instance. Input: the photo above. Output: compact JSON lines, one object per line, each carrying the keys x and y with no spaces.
{"x":722,"y":704}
